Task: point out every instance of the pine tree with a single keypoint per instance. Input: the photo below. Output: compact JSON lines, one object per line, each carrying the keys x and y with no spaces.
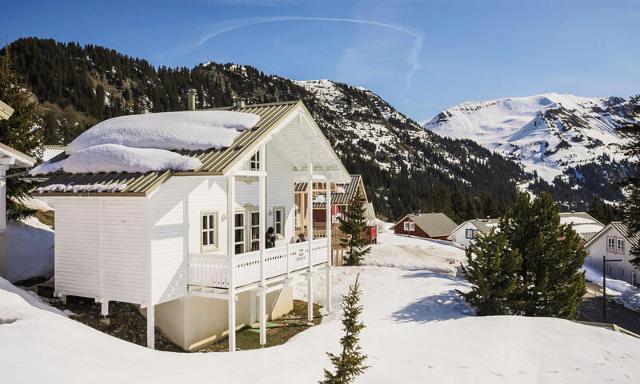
{"x":22,"y":131}
{"x":632,"y":201}
{"x":552,"y":254}
{"x":492,"y":269}
{"x":353,"y":227}
{"x":349,"y":364}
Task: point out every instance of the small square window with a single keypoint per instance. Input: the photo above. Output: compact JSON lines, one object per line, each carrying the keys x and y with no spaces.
{"x":254,"y":163}
{"x":209,"y":231}
{"x":278,"y":221}
{"x":469,"y":233}
{"x":620,"y":245}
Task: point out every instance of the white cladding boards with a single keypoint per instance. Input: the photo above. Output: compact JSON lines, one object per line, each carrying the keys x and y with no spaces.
{"x":168,"y":269}
{"x":102,"y":248}
{"x":206,"y":194}
{"x":280,"y":189}
{"x":460,"y":236}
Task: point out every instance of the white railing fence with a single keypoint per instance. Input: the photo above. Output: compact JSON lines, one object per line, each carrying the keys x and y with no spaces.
{"x":212,"y":271}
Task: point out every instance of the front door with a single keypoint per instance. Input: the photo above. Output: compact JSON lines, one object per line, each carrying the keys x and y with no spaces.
{"x":247,"y":231}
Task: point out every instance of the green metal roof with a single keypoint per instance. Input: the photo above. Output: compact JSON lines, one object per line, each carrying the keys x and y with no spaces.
{"x":214,"y":161}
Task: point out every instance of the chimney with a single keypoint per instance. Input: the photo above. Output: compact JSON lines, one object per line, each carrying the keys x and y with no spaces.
{"x":191,"y":100}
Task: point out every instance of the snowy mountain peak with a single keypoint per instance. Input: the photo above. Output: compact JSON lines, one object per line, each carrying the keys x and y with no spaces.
{"x":547,"y":133}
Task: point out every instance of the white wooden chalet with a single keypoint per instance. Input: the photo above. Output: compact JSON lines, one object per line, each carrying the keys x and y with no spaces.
{"x":189,"y":246}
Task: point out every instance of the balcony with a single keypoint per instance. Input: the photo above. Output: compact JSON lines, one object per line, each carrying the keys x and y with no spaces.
{"x":212,"y":271}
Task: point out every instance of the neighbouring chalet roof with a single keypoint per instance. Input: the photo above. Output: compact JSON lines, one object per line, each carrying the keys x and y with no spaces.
{"x":621,"y":228}
{"x":20,"y":160}
{"x":213,"y":161}
{"x":434,"y":224}
{"x":348,"y":191}
{"x":585,"y":225}
{"x":483,"y":225}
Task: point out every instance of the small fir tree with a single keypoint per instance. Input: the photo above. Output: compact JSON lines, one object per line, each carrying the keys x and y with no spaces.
{"x":353,"y":227}
{"x":632,"y":184}
{"x":492,"y":269}
{"x":22,"y":131}
{"x":349,"y":364}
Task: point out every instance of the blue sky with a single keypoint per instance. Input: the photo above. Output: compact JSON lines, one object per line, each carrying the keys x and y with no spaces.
{"x":422,"y":56}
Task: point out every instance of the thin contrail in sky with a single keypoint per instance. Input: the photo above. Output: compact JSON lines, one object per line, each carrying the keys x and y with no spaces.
{"x":232,"y":25}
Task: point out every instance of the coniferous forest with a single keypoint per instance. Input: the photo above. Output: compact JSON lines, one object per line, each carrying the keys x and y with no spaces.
{"x":413,"y":170}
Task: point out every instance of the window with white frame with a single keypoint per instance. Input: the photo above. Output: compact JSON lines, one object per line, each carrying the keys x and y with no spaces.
{"x":278,"y":221}
{"x":255,"y":231}
{"x":470,"y":233}
{"x":611,"y":244}
{"x":409,"y":226}
{"x":239,"y":231}
{"x":620,"y":245}
{"x":254,"y":162}
{"x":209,"y":231}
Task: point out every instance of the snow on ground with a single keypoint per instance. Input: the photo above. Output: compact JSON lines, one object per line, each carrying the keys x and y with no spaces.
{"x":36,"y":204}
{"x":30,"y":297}
{"x":191,"y":130}
{"x":415,"y":253}
{"x":118,"y":158}
{"x":28,"y":250}
{"x":418,"y":329}
{"x":623,"y":292}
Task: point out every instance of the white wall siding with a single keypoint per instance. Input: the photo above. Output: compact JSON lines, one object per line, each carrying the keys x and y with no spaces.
{"x":102,"y":248}
{"x":168,"y":268}
{"x":124,"y":249}
{"x":619,"y":270}
{"x":77,"y":254}
{"x":206,"y":193}
{"x":280,"y":190}
{"x":459,"y":236}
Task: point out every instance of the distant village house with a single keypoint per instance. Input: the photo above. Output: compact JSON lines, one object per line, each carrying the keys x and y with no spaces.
{"x":614,"y":243}
{"x":426,"y":225}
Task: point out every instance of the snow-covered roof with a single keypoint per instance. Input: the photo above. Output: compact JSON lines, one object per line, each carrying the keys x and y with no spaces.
{"x":213,"y":161}
{"x":119,"y":158}
{"x":585,"y":225}
{"x":185,"y":130}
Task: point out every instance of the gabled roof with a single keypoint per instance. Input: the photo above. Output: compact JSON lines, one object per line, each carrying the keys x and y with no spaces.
{"x":621,"y":228}
{"x":483,"y":225}
{"x":214,"y":161}
{"x":434,"y":224}
{"x":585,"y":225}
{"x":20,"y":160}
{"x":350,"y":191}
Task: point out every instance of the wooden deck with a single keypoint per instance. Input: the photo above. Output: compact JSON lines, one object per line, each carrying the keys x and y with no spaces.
{"x":208,"y":271}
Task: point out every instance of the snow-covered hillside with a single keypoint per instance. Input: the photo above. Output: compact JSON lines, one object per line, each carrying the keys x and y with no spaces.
{"x":547,"y":133}
{"x":418,"y":329}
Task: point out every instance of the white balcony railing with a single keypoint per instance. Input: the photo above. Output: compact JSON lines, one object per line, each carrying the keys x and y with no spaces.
{"x":212,"y":271}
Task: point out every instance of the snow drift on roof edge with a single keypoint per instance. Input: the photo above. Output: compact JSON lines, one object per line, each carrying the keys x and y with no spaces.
{"x":118,"y":158}
{"x":185,"y":130}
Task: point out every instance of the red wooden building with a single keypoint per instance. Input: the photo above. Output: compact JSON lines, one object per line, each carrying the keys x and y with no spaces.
{"x":427,"y":225}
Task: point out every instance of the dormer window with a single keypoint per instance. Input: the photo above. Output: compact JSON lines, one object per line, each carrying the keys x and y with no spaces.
{"x":254,"y":162}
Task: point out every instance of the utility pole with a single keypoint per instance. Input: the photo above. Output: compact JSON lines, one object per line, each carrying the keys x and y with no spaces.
{"x":604,"y":284}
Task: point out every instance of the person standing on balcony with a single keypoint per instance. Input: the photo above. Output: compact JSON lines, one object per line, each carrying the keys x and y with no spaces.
{"x":270,"y":238}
